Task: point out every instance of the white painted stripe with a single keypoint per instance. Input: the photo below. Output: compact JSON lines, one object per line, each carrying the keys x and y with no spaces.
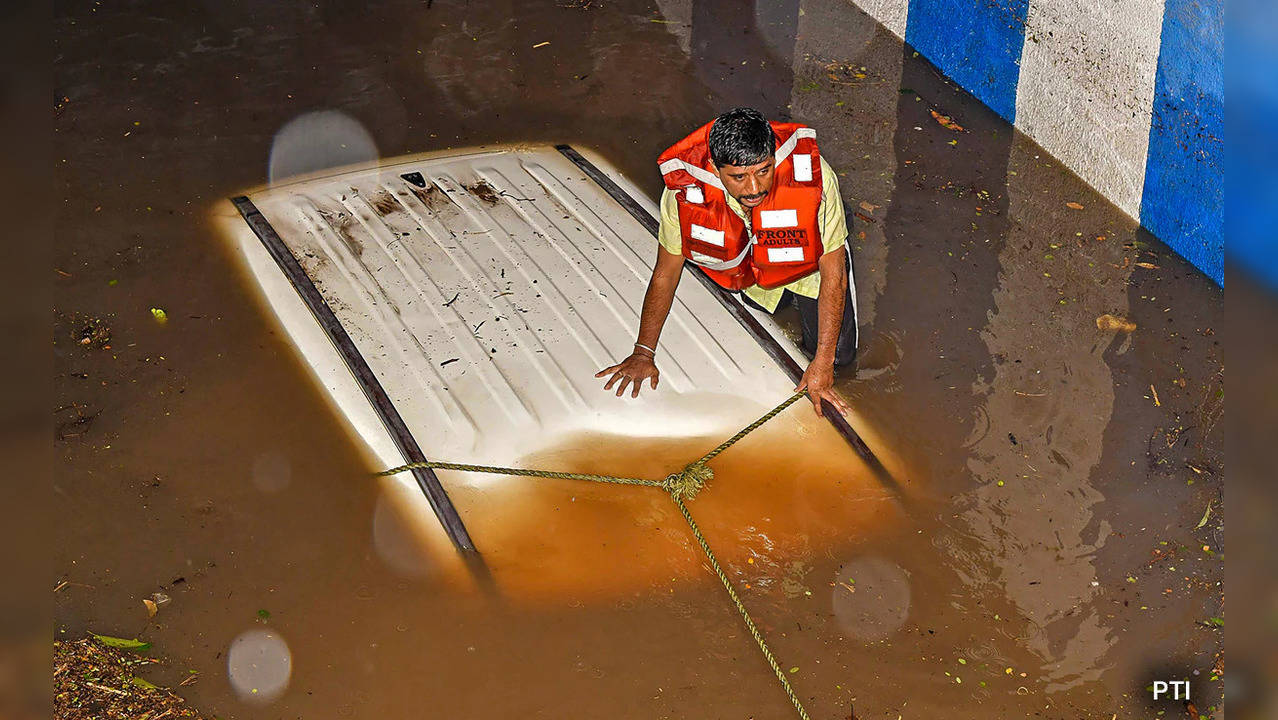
{"x":693,"y":194}
{"x":787,"y":147}
{"x":803,"y":168}
{"x":785,"y":254}
{"x":700,"y":174}
{"x":892,"y":13}
{"x":707,"y":235}
{"x":778,"y":219}
{"x":1092,"y":115}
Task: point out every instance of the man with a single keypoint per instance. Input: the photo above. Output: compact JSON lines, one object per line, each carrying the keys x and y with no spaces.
{"x":758,"y":209}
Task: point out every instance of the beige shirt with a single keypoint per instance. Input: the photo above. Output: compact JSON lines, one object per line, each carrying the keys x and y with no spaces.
{"x":834,"y":232}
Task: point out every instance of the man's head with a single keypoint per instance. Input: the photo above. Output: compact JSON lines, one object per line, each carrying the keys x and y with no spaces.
{"x":741,"y":148}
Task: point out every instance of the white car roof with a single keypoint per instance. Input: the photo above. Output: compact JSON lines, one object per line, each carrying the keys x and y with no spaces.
{"x":484,"y":289}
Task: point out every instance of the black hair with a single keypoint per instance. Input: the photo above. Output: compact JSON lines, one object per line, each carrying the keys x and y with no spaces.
{"x":741,"y":136}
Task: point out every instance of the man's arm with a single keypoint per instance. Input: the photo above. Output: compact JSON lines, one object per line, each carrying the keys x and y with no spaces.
{"x":641,"y":364}
{"x":818,"y":381}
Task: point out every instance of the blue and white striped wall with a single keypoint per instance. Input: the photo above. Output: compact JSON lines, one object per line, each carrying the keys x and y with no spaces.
{"x":1127,"y":93}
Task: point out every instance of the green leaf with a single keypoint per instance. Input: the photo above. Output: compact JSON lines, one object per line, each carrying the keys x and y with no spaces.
{"x":264,"y":614}
{"x":1216,"y":621}
{"x":121,"y":643}
{"x":1206,"y":515}
{"x":145,"y":684}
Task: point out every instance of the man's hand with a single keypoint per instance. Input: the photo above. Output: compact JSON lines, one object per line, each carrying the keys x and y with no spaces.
{"x":635,"y":369}
{"x":818,"y":381}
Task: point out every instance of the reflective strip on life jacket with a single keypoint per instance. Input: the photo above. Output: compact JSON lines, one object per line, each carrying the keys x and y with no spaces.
{"x":701,"y":174}
{"x":710,"y":263}
{"x":783,"y":152}
{"x":787,"y":147}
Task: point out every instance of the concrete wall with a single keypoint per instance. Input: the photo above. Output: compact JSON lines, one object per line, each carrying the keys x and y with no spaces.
{"x":1127,"y":93}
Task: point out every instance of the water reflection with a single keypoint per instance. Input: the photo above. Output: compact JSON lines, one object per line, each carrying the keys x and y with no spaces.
{"x":318,"y":141}
{"x":870,"y":597}
{"x":774,"y":498}
{"x":259,"y":665}
{"x":742,"y":53}
{"x":272,"y":471}
{"x":1048,"y":405}
{"x":409,"y":546}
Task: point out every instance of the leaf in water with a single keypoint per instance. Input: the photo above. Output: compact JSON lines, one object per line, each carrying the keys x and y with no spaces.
{"x":1074,"y":206}
{"x":145,"y":684}
{"x":1206,"y":516}
{"x":868,"y":206}
{"x":946,"y":122}
{"x":1216,"y":621}
{"x":121,"y":643}
{"x":264,"y":614}
{"x":151,"y":607}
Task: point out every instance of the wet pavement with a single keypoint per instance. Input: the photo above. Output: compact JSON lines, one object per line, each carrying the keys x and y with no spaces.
{"x":1056,"y":471}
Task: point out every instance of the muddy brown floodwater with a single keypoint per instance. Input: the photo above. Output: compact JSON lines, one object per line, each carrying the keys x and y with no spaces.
{"x":1047,"y":558}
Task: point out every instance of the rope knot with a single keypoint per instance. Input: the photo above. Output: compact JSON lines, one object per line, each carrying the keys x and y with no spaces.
{"x":685,"y":484}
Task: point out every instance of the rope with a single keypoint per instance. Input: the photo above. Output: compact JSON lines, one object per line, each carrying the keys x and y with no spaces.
{"x":681,"y":486}
{"x":750,"y":428}
{"x":741,"y":608}
{"x":434,"y":465}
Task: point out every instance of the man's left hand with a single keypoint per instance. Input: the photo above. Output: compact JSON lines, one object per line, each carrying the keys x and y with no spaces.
{"x":818,"y":382}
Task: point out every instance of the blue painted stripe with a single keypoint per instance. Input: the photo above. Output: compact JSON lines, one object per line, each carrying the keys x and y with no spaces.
{"x":1251,"y":164}
{"x":1183,"y":198}
{"x":977,"y":44}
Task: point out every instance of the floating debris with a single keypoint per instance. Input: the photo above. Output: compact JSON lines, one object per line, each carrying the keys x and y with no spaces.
{"x":946,"y":121}
{"x":93,"y":679}
{"x":1114,"y":323}
{"x":94,"y":333}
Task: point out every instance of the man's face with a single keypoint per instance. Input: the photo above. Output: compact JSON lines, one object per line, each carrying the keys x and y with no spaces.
{"x":749,"y":184}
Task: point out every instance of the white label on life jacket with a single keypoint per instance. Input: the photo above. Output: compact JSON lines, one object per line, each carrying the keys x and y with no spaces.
{"x":778,"y":219}
{"x":693,"y":194}
{"x":703,"y":259}
{"x":706,"y":235}
{"x":785,"y":254}
{"x":802,"y":168}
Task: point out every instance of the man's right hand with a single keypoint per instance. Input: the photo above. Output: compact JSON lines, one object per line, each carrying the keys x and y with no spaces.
{"x":635,"y":369}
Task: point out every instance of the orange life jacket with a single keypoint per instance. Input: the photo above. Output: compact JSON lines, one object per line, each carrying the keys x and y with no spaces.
{"x":785,"y":244}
